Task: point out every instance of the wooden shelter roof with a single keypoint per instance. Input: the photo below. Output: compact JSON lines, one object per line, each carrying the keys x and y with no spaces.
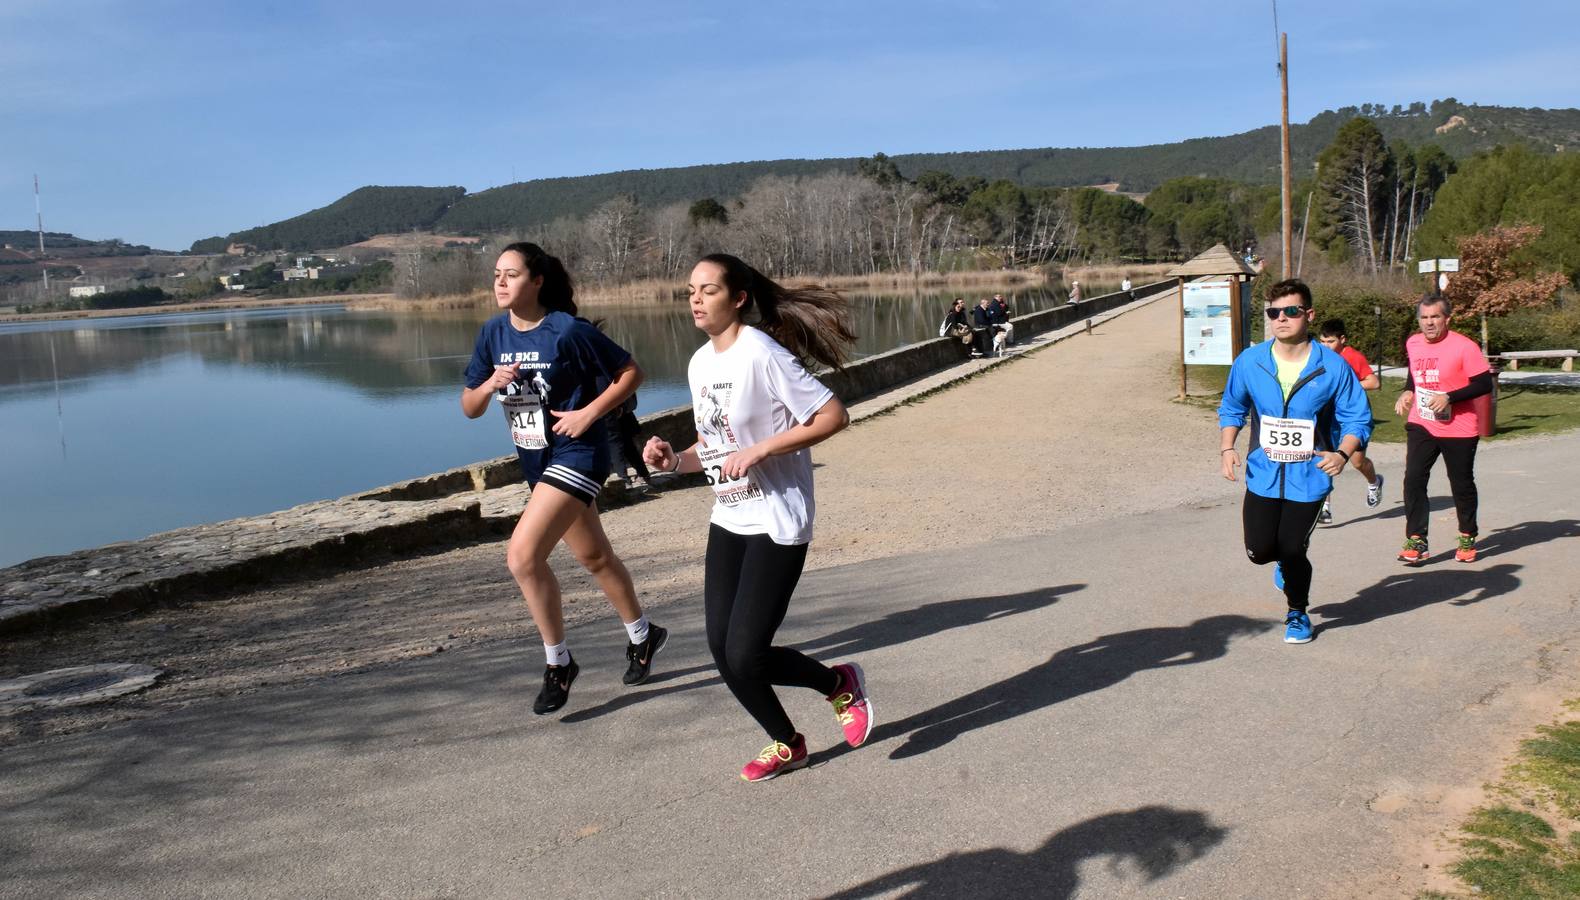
{"x":1217,"y":260}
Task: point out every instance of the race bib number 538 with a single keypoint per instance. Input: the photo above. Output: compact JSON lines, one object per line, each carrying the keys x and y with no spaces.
{"x":1288,"y":440}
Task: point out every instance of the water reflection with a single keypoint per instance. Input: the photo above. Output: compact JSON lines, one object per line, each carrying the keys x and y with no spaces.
{"x":177,"y":419}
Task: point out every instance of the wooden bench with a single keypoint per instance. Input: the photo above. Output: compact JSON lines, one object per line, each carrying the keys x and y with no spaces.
{"x":1513,"y":359}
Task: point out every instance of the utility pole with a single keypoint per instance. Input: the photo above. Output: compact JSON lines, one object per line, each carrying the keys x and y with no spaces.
{"x":1283,"y":77}
{"x":38,"y":210}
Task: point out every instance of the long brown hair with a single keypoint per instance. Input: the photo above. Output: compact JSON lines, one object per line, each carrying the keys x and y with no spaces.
{"x":557,"y":293}
{"x":812,"y":322}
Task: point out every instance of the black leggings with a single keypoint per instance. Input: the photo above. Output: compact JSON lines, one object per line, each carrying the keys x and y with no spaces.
{"x":1280,"y":530}
{"x":1459,"y":458}
{"x":747,"y":590}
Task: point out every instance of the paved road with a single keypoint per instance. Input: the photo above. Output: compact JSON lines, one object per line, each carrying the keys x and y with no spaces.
{"x":1103,"y":711}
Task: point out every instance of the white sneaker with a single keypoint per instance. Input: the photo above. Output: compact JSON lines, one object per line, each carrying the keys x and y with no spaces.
{"x":1374,"y":492}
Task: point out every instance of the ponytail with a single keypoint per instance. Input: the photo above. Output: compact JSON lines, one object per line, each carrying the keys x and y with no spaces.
{"x":557,"y":293}
{"x":812,"y":322}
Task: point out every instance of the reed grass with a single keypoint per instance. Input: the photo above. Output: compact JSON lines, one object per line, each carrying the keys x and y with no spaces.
{"x":1138,"y":273}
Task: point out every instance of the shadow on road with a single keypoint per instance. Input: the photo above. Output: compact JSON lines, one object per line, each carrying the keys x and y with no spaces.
{"x":1525,"y":534}
{"x":1071,"y":672}
{"x":1395,"y":510}
{"x":1414,"y":588}
{"x":895,"y":628}
{"x":1151,"y":842}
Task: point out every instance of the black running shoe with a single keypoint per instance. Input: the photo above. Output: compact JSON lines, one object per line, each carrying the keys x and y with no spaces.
{"x":556,"y":687}
{"x":641,"y":655}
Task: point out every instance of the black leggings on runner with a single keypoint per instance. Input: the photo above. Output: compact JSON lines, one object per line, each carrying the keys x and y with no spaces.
{"x":1279,"y":531}
{"x":1422,"y":449}
{"x":747,"y":590}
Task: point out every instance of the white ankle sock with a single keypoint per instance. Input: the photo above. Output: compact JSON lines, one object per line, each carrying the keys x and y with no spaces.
{"x":637,"y":630}
{"x":557,"y":654}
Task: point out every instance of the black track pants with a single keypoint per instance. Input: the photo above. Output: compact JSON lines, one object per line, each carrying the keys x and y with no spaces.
{"x":1459,"y":457}
{"x":749,"y":580}
{"x":1280,"y":531}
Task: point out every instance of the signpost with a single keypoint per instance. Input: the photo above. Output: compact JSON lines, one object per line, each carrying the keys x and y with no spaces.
{"x":1438,"y":270}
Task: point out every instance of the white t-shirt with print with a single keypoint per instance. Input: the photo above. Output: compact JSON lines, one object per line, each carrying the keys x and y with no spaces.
{"x":754,"y":390}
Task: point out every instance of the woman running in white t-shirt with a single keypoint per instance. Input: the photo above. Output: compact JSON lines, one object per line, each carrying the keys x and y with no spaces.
{"x":758,"y":411}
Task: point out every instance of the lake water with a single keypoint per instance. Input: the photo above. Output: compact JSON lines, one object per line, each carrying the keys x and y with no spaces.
{"x":113,"y":429}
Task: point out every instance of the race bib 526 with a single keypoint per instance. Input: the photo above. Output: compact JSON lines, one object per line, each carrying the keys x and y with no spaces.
{"x":729,"y":491}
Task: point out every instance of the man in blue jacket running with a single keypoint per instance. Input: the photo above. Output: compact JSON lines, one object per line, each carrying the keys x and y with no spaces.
{"x":1296,"y":394}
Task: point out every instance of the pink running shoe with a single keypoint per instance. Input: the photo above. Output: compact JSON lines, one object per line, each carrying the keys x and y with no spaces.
{"x":851,"y":705}
{"x":776,"y":759}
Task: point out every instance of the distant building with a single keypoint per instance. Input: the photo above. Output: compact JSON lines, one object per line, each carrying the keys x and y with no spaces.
{"x":86,"y":290}
{"x":232,"y":282}
{"x":298,"y":273}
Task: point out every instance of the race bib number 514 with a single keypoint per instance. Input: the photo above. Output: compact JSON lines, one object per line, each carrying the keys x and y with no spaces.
{"x":528,"y":430}
{"x":1288,"y":440}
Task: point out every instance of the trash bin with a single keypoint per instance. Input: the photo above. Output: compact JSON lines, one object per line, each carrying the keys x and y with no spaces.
{"x":1486,"y":406}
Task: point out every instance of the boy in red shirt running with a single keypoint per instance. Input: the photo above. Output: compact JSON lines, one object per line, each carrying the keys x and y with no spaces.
{"x":1335,"y":338}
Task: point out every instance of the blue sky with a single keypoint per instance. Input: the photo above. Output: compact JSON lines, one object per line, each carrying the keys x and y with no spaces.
{"x":162,"y":122}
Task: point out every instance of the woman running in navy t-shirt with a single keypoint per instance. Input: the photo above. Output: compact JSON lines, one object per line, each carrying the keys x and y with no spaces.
{"x":546,"y":367}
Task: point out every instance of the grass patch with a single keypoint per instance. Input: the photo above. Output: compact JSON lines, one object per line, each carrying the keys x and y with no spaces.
{"x":1529,"y":845}
{"x":1552,"y":761}
{"x":1523,"y":409}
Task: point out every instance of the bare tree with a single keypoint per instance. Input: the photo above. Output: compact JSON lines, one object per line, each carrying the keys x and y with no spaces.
{"x":674,"y":239}
{"x":613,"y":230}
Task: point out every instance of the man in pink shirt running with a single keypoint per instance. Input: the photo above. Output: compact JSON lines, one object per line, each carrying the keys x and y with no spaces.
{"x":1447,"y":371}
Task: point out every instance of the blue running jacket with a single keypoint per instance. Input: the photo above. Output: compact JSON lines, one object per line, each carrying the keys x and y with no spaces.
{"x":1328,"y":393}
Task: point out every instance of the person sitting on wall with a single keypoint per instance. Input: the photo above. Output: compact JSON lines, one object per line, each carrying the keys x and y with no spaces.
{"x":1003,"y":328}
{"x":955,"y":323}
{"x":982,"y":328}
{"x":624,"y":428}
{"x":1075,"y":292}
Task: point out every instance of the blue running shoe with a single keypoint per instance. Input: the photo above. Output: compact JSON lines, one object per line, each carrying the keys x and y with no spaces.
{"x":1297,"y":628}
{"x":1278,"y":575}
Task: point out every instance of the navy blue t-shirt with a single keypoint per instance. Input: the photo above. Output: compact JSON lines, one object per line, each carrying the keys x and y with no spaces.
{"x":566,"y":363}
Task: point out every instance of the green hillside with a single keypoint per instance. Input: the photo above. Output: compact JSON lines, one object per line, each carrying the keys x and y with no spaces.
{"x":355,"y":217}
{"x":545,"y":199}
{"x":1250,"y":157}
{"x":59,"y":243}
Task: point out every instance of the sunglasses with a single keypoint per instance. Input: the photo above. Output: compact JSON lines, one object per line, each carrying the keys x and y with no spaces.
{"x":1289,"y":312}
